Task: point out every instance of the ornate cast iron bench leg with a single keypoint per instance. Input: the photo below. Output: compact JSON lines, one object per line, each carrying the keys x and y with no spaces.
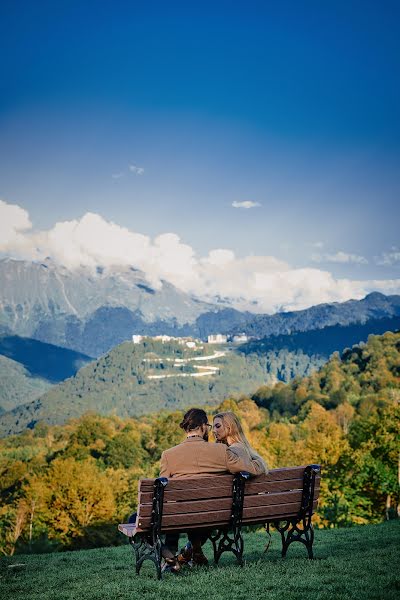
{"x":300,"y":529}
{"x":222,"y":541}
{"x":293,"y":530}
{"x":145,"y":549}
{"x":148,"y":546}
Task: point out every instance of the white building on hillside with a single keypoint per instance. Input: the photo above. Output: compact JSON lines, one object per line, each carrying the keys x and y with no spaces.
{"x":241,"y":338}
{"x":217,"y":338}
{"x":163,"y":338}
{"x":184,"y":341}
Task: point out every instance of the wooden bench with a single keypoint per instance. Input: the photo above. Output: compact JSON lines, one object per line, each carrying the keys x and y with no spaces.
{"x":285,"y":498}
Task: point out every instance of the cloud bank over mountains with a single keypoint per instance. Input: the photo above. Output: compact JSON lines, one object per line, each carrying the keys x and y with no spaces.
{"x":257,"y":283}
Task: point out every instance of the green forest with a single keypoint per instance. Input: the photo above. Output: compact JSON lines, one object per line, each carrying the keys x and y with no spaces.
{"x":68,"y":486}
{"x":120,"y":382}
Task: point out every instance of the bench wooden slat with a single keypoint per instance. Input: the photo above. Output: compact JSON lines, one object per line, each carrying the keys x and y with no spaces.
{"x":184,"y":521}
{"x":259,"y":485}
{"x":271,"y":499}
{"x":190,"y":508}
{"x":257,"y":513}
{"x":225,"y":491}
{"x":208,"y":481}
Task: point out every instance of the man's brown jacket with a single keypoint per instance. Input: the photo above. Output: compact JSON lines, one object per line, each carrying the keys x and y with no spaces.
{"x":195,"y":457}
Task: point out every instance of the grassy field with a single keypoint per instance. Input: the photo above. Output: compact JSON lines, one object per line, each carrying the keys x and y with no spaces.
{"x":357,"y":563}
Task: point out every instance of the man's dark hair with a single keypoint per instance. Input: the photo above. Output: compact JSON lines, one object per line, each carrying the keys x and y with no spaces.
{"x":194,"y":418}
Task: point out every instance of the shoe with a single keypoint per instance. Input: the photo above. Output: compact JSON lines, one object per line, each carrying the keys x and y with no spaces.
{"x":170,"y":567}
{"x":185,"y":555}
{"x":170,"y":563}
{"x":199,"y":559}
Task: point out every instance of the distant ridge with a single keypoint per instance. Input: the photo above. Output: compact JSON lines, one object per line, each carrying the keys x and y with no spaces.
{"x":373,"y":306}
{"x":323,"y":342}
{"x":43,"y":360}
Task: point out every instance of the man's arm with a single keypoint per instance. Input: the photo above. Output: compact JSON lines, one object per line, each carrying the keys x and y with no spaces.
{"x":239,"y":461}
{"x":164,"y":468}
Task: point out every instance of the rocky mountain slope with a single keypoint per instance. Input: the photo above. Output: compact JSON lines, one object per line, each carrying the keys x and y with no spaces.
{"x":92,"y":310}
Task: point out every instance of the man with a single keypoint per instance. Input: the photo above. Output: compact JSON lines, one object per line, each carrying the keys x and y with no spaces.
{"x":195,"y":457}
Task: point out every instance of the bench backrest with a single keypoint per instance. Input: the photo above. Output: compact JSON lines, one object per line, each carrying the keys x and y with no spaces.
{"x":207,"y":501}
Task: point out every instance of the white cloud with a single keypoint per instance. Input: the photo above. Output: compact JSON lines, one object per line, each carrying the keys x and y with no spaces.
{"x":388,"y":259}
{"x":339,"y":257}
{"x":316,"y":244}
{"x":117,"y":175}
{"x":258,"y":283}
{"x":245,"y":204}
{"x":14,"y":221}
{"x":137,"y":170}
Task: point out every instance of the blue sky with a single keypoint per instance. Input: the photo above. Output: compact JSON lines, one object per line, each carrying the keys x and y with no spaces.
{"x":159,"y":116}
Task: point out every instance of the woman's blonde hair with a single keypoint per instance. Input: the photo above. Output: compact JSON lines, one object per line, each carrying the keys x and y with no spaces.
{"x":235,"y":431}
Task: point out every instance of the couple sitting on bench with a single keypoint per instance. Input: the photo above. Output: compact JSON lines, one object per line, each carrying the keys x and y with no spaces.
{"x":188,"y":498}
{"x":195,"y":457}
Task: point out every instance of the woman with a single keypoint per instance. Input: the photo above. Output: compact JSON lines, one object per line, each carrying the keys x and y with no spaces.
{"x":228,"y":430}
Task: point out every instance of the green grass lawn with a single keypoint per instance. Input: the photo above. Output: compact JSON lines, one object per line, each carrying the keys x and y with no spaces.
{"x":357,"y":563}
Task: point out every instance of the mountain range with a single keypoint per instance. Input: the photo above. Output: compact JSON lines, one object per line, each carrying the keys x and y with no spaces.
{"x":91,"y":310}
{"x":374,"y":306}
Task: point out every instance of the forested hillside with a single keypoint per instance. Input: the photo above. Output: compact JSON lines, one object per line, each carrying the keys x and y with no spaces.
{"x":136,"y":379}
{"x":351,"y":380}
{"x":67,"y":486}
{"x":17,"y":385}
{"x":28,"y":368}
